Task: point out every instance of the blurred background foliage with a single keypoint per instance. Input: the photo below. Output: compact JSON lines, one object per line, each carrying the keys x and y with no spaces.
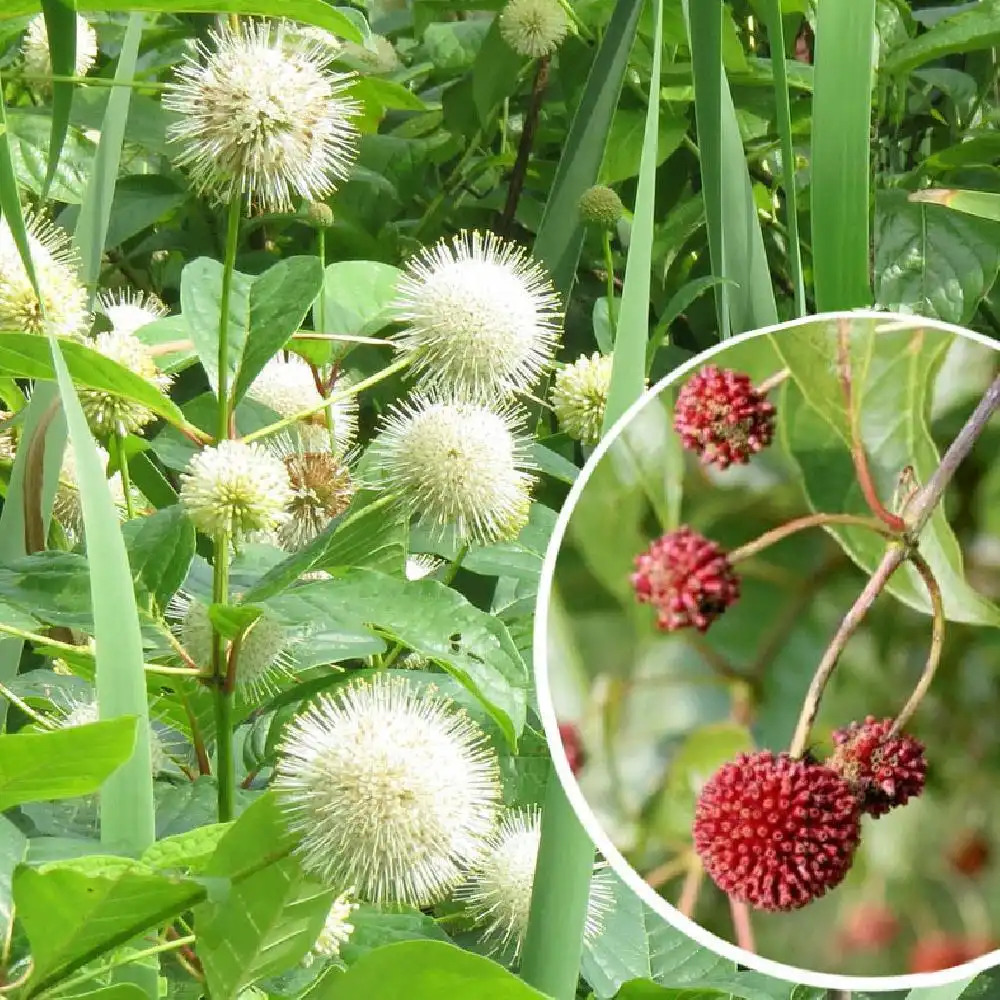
{"x":659,"y":712}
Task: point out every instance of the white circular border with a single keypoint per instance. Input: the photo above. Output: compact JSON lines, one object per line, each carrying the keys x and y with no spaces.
{"x":550,"y":723}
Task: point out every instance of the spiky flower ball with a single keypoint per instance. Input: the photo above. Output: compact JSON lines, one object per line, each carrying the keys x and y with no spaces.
{"x":63,"y":296}
{"x":497,"y":893}
{"x":776,"y":832}
{"x":129,"y":310}
{"x":580,"y":395}
{"x":884,"y":770}
{"x":38,"y":59}
{"x":420,"y":565}
{"x":67,"y":506}
{"x":235,"y":489}
{"x":481,"y":318}
{"x":458,"y":465}
{"x":687,"y":578}
{"x":600,"y":206}
{"x":533,"y":28}
{"x":321,"y":489}
{"x":108,"y":413}
{"x":260,"y":115}
{"x":288,"y":387}
{"x":392,"y":788}
{"x":721,"y":417}
{"x":338,"y":928}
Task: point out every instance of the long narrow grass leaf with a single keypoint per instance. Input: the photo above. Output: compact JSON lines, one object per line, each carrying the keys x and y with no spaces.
{"x":705,"y":27}
{"x":628,"y":369}
{"x":841,"y":130}
{"x":95,"y":211}
{"x":560,"y":235}
{"x":776,"y":39}
{"x":984,"y":204}
{"x":60,"y":26}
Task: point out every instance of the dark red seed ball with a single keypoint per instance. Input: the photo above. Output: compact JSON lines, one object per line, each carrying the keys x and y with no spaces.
{"x":885,"y":771}
{"x":687,"y":578}
{"x":776,"y":832}
{"x":572,"y":745}
{"x":720,"y":416}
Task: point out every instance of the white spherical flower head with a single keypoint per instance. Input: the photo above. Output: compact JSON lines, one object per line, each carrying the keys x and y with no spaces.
{"x":391,"y":787}
{"x":533,"y":28}
{"x":580,"y":396}
{"x":481,"y":318}
{"x":108,"y":413}
{"x":38,"y":60}
{"x":458,"y":465}
{"x":288,"y":387}
{"x":261,"y":115}
{"x":129,"y":311}
{"x":497,"y":891}
{"x":338,"y":929}
{"x":235,"y":489}
{"x":191,"y":625}
{"x":63,"y":308}
{"x":67,"y":507}
{"x":421,"y":565}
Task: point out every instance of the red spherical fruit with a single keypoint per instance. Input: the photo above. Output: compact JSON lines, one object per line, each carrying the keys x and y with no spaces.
{"x":868,"y":927}
{"x":943,"y":951}
{"x":970,"y":853}
{"x":572,"y":746}
{"x":722,"y":417}
{"x":885,"y":771}
{"x":774,"y":831}
{"x":687,"y":578}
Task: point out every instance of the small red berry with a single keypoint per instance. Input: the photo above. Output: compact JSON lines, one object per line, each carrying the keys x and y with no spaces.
{"x":868,"y":927}
{"x":572,"y":746}
{"x":776,"y":832}
{"x":722,"y":417}
{"x":687,"y":578}
{"x":942,"y":951}
{"x":970,"y":853}
{"x":885,"y":771}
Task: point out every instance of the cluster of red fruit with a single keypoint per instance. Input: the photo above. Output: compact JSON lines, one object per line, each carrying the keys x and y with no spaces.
{"x":772,"y":830}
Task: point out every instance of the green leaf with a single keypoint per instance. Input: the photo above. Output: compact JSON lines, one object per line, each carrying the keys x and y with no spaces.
{"x":53,"y":586}
{"x":422,"y":970}
{"x":357,"y":295}
{"x":120,"y":991}
{"x":64,"y":763}
{"x":946,"y":991}
{"x":429,"y":618}
{"x":931,"y":261}
{"x":13,"y":848}
{"x":496,"y":74}
{"x":26,"y":355}
{"x":452,"y":45}
{"x":621,"y":951}
{"x":560,"y":236}
{"x":971,"y":29}
{"x":893,"y":374}
{"x":60,"y":27}
{"x":841,"y":136}
{"x":160,"y":549}
{"x":232,"y":620}
{"x":376,"y":928}
{"x":30,"y":135}
{"x":625,"y":144}
{"x":984,"y":204}
{"x":267,"y":922}
{"x":628,"y":370}
{"x":279,"y":301}
{"x":678,"y":960}
{"x":310,"y":11}
{"x":75,"y":910}
{"x":191,"y":850}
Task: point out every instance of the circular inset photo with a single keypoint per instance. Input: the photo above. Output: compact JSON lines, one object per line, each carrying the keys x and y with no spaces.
{"x":769,"y":642}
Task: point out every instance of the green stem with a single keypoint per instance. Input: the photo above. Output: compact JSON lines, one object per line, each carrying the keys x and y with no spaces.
{"x":609,"y":266}
{"x":336,"y":397}
{"x":229,"y":265}
{"x":129,"y":957}
{"x":122,"y":463}
{"x":25,"y":707}
{"x":553,"y":942}
{"x":224,"y":764}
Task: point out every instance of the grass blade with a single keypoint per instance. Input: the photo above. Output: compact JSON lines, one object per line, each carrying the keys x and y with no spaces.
{"x":776,"y":38}
{"x":60,"y":25}
{"x":841,"y":128}
{"x":628,"y":370}
{"x":747,"y":278}
{"x":560,"y":236}
{"x":95,"y":211}
{"x":984,"y":204}
{"x":705,"y":28}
